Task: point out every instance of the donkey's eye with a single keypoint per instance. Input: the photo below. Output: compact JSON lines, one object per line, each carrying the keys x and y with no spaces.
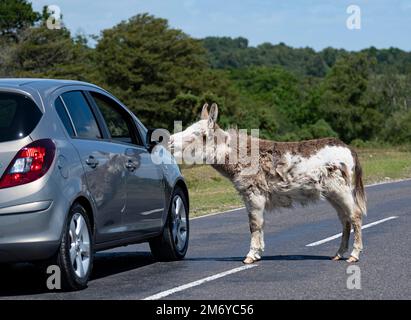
{"x":204,"y":138}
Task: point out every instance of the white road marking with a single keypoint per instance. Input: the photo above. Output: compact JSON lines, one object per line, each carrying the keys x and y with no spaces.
{"x":313,"y":244}
{"x":216,"y":213}
{"x":198,"y":282}
{"x":386,"y":182}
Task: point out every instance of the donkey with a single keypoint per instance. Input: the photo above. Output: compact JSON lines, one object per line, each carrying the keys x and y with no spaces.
{"x":287,"y":173}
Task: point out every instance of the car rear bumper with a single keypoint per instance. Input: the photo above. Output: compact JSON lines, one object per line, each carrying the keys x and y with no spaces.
{"x":28,"y":232}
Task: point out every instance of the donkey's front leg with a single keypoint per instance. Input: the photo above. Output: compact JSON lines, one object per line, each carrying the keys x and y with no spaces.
{"x":255,"y":208}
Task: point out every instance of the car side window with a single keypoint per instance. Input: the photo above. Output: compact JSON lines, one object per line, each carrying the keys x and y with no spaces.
{"x":62,"y":112}
{"x":118,"y":122}
{"x":81,"y":114}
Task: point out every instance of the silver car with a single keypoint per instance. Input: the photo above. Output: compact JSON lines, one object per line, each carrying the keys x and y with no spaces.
{"x":77,"y":176}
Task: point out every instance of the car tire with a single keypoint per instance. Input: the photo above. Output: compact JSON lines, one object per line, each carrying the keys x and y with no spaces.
{"x":75,"y":256}
{"x":172,"y":244}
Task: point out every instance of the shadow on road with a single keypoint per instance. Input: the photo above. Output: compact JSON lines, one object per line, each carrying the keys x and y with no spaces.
{"x":21,"y":279}
{"x":295,"y":257}
{"x":107,"y":264}
{"x":27,"y":279}
{"x":265,"y":258}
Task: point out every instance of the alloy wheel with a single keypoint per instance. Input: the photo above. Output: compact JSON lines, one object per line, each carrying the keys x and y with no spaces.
{"x":179,"y":223}
{"x":79,"y":245}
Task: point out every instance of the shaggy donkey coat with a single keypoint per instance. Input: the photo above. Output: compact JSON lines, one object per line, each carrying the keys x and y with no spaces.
{"x":286,"y":172}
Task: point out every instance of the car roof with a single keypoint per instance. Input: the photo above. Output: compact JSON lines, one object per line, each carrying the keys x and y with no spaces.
{"x":40,"y":84}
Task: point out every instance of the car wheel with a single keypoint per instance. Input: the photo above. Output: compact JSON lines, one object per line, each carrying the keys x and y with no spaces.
{"x":75,"y":256}
{"x":172,"y":244}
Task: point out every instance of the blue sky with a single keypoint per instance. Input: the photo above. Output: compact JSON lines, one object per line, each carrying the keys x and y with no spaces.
{"x":299,"y":23}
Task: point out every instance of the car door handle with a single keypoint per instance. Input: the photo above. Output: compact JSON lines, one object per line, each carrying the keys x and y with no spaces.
{"x":130,"y":165}
{"x":92,"y":162}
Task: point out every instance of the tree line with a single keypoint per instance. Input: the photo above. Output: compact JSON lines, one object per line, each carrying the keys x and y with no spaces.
{"x":162,"y":74}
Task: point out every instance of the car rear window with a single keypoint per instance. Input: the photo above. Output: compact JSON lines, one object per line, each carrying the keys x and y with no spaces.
{"x":19,"y":115}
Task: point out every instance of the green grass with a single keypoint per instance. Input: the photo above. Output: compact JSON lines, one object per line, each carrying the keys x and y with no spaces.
{"x":385,"y":164}
{"x":211,"y":192}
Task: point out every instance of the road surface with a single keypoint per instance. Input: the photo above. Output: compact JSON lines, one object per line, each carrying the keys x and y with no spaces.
{"x":289,"y":270}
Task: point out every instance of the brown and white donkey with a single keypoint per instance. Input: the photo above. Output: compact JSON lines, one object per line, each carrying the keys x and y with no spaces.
{"x":286,"y":172}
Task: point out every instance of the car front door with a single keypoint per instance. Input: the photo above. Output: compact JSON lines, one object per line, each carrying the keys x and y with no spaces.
{"x":145,"y":185}
{"x":103,"y":162}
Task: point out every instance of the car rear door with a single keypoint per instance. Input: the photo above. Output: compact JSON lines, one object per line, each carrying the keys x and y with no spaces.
{"x":103,"y":162}
{"x":145,"y":185}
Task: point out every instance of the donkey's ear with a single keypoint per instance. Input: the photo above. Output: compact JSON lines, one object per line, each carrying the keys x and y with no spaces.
{"x":204,"y":112}
{"x":212,"y":118}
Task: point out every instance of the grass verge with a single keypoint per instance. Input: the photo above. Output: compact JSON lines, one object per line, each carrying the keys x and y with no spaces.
{"x":385,"y":164}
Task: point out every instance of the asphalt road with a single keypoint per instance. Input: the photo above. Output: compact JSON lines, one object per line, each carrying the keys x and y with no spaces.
{"x":289,"y":270}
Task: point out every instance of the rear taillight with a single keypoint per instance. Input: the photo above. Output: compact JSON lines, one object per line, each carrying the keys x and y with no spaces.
{"x":31,"y":163}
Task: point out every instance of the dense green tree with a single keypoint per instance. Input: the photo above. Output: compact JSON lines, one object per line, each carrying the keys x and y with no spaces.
{"x":398,"y":128}
{"x":235,"y":53}
{"x":41,"y":52}
{"x":390,"y":92}
{"x":48,"y":53}
{"x":226,"y":53}
{"x":154,"y":68}
{"x":343,"y":103}
{"x":280,"y":92}
{"x":15,"y":15}
{"x":320,"y":129}
{"x":330,"y":55}
{"x":185,"y":107}
{"x":149,"y":64}
{"x":391,"y":60}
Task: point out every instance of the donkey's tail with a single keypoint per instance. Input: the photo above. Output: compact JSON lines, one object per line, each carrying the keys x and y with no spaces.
{"x":359,"y":192}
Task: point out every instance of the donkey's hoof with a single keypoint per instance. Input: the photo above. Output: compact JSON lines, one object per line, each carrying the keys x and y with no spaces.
{"x":336,"y":258}
{"x":352,"y":259}
{"x":249,"y":260}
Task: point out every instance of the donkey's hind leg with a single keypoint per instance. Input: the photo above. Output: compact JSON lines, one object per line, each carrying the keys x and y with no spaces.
{"x":255,"y":204}
{"x":356,"y":218}
{"x":341,"y":197}
{"x":345,"y":200}
{"x":344,"y":217}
